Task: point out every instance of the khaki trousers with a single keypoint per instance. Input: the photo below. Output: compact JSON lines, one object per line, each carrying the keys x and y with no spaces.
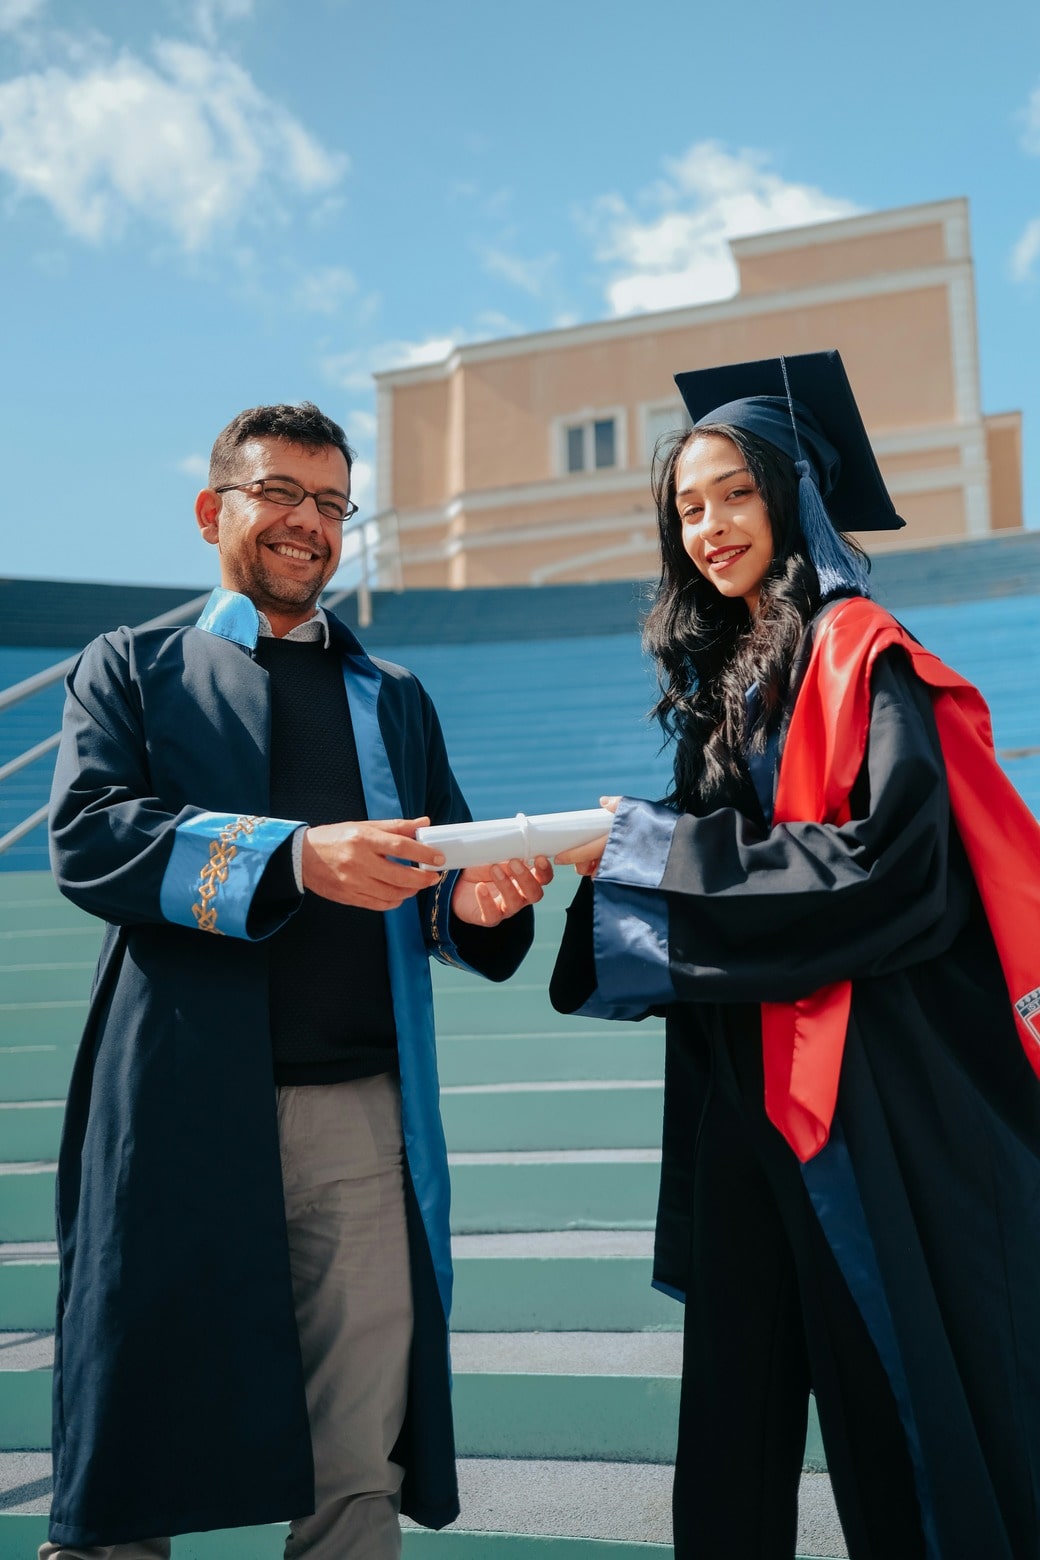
{"x":348,"y":1246}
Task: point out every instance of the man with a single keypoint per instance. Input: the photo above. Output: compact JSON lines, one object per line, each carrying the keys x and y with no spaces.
{"x":252,"y":1191}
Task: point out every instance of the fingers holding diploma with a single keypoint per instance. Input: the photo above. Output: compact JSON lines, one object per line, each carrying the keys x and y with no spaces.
{"x":487,"y":896}
{"x":585,"y":859}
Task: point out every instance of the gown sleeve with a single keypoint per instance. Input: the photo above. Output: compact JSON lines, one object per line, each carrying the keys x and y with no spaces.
{"x":117,"y":849}
{"x":719,"y":909}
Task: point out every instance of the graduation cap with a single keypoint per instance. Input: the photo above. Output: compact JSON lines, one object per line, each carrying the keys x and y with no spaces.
{"x":804,"y":407}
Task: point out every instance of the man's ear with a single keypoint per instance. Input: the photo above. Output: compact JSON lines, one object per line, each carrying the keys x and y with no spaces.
{"x":207,"y":514}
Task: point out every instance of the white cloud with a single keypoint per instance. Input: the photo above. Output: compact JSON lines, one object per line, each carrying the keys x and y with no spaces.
{"x":361,"y":479}
{"x":208,"y":14}
{"x":361,"y":426}
{"x":187,"y":143}
{"x":13,"y":13}
{"x":194,"y":466}
{"x":354,"y":370}
{"x":673,"y":249}
{"x":1026,"y":252}
{"x":325,"y":290}
{"x":531,"y":276}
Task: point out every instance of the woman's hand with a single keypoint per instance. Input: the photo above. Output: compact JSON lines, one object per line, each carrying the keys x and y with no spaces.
{"x":585,"y":859}
{"x":486,"y":896}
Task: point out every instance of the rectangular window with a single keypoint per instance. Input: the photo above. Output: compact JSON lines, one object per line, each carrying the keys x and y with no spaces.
{"x":603,"y":442}
{"x":659,"y":421}
{"x":591,"y":445}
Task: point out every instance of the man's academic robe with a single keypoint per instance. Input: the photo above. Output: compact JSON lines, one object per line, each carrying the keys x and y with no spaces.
{"x":928,"y":1191}
{"x":178,"y":1393}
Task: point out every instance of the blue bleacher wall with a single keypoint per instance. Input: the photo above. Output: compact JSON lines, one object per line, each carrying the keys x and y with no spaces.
{"x":543,"y":692}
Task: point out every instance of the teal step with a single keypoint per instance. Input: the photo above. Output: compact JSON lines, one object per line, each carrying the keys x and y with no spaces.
{"x":600,"y":1418}
{"x":483,"y":1009}
{"x":516,"y":1414}
{"x":27,"y":1202}
{"x":35,"y":1072}
{"x":44,"y":1022}
{"x":30,"y":1129}
{"x":546,"y":1116}
{"x":43,"y":945}
{"x":61,"y":980}
{"x":20,"y":1537}
{"x":492,"y":1294}
{"x":497,"y":1414}
{"x":530,"y":1293}
{"x":584,"y":1051}
{"x":25,"y":1409}
{"x":28,"y":1291}
{"x":583,"y":1191}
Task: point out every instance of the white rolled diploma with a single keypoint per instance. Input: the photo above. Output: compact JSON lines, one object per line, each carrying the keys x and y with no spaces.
{"x":500,"y":839}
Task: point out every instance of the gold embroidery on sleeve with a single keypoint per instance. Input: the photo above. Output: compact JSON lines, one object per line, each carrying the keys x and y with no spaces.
{"x":222,"y":851}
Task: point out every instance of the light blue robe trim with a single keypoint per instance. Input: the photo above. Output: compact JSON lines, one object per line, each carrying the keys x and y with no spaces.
{"x":230,"y":616}
{"x":629,"y":919}
{"x":412,"y":990}
{"x":830,"y":1180}
{"x":220,"y":900}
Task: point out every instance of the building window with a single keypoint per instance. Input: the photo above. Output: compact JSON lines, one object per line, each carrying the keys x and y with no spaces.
{"x":591,"y":445}
{"x":658,"y":421}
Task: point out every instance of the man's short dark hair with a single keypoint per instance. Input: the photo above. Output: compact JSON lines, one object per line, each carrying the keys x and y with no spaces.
{"x":303,"y":425}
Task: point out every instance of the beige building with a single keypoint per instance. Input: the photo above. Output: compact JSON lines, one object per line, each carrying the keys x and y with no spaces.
{"x":526,"y":461}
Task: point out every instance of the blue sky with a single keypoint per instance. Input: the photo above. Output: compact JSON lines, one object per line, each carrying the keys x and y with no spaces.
{"x":212,"y":203}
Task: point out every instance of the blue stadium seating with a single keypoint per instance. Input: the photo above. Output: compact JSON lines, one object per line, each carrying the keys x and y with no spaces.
{"x":544,"y":700}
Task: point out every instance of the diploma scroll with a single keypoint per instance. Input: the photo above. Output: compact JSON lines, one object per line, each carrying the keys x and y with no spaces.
{"x":500,"y":839}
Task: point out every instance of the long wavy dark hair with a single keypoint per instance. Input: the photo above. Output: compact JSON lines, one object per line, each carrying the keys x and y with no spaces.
{"x":709,"y":648}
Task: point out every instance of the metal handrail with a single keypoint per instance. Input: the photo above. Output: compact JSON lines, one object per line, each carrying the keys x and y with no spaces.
{"x":370,"y":558}
{"x":45,"y":679}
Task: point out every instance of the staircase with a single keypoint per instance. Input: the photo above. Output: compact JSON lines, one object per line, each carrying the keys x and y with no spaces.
{"x":567,"y":1363}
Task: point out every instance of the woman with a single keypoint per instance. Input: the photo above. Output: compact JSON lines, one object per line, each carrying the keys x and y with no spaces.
{"x":831,"y":922}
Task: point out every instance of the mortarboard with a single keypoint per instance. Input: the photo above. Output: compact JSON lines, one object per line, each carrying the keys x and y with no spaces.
{"x":804,"y":406}
{"x":756,"y":396}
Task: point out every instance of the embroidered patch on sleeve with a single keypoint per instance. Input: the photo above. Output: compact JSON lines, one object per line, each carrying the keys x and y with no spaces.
{"x":222,"y":852}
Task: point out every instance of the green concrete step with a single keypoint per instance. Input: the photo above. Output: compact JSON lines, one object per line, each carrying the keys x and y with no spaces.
{"x":59,"y":980}
{"x":564,"y":1281}
{"x":584,"y":1189}
{"x":583,"y":1051}
{"x":42,"y":945}
{"x":35,"y":1072}
{"x":601,"y":1397}
{"x":27,"y":1202}
{"x":482,"y":1009}
{"x":20,"y":1536}
{"x":618,"y":1114}
{"x":28,"y":1287}
{"x":30,"y":1129}
{"x":557,"y":1281}
{"x":37,"y":1065}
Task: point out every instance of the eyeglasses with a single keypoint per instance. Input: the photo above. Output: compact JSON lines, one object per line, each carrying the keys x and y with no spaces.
{"x":290,"y":495}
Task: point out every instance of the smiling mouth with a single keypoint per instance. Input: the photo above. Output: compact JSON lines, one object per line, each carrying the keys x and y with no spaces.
{"x":295,"y":554}
{"x":718,"y":560}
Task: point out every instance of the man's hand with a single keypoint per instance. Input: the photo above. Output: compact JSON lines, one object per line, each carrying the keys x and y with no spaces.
{"x":487,"y":896}
{"x":351,"y":862}
{"x":585,"y":859}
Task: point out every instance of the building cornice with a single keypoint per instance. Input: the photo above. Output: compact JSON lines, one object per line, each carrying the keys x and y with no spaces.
{"x":736,"y":308}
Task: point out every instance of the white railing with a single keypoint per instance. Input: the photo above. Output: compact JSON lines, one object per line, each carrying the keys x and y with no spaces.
{"x":373,"y":552}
